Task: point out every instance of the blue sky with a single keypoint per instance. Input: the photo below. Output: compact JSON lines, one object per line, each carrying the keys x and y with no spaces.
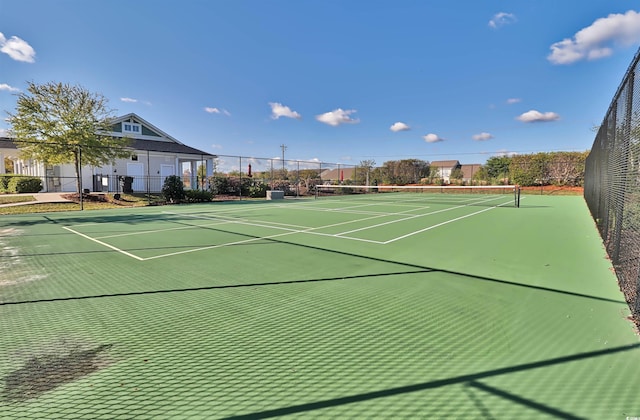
{"x":336,"y":81}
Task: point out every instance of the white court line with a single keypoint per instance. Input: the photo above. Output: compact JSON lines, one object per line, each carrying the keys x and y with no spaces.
{"x":306,"y":229}
{"x":104,"y":244}
{"x":414,"y":216}
{"x":288,"y":231}
{"x":444,"y":223}
{"x":227,"y":219}
{"x":346,"y":210}
{"x":144,"y":232}
{"x":223,"y":221}
{"x":244,"y":222}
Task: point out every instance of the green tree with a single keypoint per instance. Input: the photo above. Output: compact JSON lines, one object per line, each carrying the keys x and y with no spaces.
{"x":362,"y":174}
{"x":433,"y":174}
{"x":403,"y":172}
{"x":57,"y":123}
{"x":457,"y":175}
{"x":567,"y":168}
{"x":201,"y":173}
{"x":481,"y":176}
{"x":497,"y":168}
{"x":309,"y":178}
{"x":529,"y":170}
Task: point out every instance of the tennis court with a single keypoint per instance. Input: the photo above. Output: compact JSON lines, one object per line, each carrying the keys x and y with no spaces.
{"x":364,"y":306}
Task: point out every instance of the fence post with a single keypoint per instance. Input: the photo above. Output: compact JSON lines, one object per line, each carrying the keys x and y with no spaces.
{"x":80,"y":177}
{"x":623,"y":166}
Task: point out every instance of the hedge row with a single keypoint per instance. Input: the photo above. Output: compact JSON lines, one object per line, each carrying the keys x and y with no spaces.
{"x":16,"y":184}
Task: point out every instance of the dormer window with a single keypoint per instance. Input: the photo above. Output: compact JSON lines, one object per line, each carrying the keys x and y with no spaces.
{"x":132,"y":128}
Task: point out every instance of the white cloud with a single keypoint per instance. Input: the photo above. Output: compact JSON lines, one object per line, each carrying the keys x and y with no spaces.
{"x":505,"y":152}
{"x":216,"y":146}
{"x":17,"y":48}
{"x":501,"y":19}
{"x":211,"y":110}
{"x":432,"y":138}
{"x":399,"y":126}
{"x":337,"y":117}
{"x":309,"y":163}
{"x":537,"y":116}
{"x":597,"y":40}
{"x":512,"y":101}
{"x":482,"y":136}
{"x":134,"y":101}
{"x":278,"y":110}
{"x":4,"y":132}
{"x":4,"y":86}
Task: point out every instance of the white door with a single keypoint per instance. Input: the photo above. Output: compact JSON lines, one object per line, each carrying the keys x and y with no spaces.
{"x":165,"y":171}
{"x":136,"y":170}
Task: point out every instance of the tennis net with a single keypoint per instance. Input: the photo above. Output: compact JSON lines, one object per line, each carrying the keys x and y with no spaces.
{"x":490,"y":195}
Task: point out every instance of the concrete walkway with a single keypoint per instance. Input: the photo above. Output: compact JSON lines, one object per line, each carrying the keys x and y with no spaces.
{"x":38,"y":198}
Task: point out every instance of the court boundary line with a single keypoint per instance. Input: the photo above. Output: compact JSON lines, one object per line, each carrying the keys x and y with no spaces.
{"x":443,"y":223}
{"x":288,"y":231}
{"x":422,"y":215}
{"x":128,"y":254}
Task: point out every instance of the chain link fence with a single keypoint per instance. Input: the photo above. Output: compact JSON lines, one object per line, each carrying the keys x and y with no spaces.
{"x":612,"y":184}
{"x":240,"y":176}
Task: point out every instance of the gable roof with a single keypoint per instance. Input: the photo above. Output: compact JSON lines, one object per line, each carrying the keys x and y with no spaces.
{"x":149,"y":131}
{"x":158,"y":142}
{"x":445,"y":163}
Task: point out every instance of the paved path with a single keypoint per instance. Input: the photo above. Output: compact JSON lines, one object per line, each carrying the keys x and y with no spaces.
{"x":38,"y":198}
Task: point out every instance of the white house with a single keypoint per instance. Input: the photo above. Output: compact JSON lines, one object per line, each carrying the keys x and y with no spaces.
{"x":155,"y":156}
{"x":445,"y":168}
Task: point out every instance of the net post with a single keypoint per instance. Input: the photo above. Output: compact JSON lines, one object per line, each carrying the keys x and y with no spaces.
{"x":517,"y":195}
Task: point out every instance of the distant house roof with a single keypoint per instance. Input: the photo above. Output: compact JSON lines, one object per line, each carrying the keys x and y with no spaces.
{"x":445,"y":163}
{"x":470,"y":169}
{"x":334,"y":174}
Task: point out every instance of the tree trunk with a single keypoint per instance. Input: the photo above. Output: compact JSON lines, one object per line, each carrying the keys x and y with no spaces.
{"x":77,"y":169}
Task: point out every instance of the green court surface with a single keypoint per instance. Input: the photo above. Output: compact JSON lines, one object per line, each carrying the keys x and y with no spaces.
{"x":358,"y":307}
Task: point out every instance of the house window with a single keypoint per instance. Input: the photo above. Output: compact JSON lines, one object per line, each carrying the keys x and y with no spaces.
{"x":134,"y":157}
{"x":134,"y":128}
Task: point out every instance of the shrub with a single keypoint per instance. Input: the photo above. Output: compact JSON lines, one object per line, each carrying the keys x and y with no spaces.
{"x":281,"y":185}
{"x":4,"y":183}
{"x":24,"y":184}
{"x":173,"y":189}
{"x":258,"y":190}
{"x":198,"y":196}
{"x":219,"y":185}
